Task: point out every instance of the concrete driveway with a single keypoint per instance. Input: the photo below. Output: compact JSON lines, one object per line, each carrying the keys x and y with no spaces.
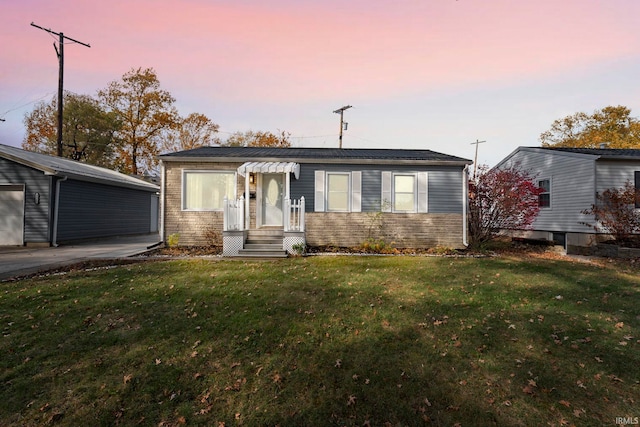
{"x":20,"y":261}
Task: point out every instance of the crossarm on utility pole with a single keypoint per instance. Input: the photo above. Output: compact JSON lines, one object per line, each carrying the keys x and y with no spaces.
{"x":475,"y":159}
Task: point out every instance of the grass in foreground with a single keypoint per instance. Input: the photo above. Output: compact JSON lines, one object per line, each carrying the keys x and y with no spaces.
{"x":323,"y":341}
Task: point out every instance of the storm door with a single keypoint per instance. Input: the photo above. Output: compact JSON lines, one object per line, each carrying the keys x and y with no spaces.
{"x":272,"y":196}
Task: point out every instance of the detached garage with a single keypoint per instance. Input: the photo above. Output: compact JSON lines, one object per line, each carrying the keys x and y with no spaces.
{"x":47,"y":200}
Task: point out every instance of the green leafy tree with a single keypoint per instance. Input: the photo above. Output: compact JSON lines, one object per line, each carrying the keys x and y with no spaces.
{"x":259,"y":139}
{"x":145,"y":112}
{"x":195,"y":130}
{"x":88,"y":131}
{"x":613,"y":126}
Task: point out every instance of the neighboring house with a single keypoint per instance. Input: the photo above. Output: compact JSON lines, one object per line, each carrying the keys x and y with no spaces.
{"x":47,"y":200}
{"x":571,"y":178}
{"x":313,"y":196}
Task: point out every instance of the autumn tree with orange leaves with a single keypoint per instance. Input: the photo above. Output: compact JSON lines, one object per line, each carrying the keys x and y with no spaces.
{"x":259,"y":139}
{"x":195,"y":130}
{"x":611,"y":127}
{"x":145,"y":112}
{"x":88,"y":132}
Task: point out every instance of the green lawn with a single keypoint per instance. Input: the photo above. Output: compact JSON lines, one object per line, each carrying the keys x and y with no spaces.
{"x":318,"y":341}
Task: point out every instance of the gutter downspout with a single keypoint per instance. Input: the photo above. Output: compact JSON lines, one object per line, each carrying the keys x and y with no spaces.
{"x":162,"y":196}
{"x":54,"y":241}
{"x":465,"y":204}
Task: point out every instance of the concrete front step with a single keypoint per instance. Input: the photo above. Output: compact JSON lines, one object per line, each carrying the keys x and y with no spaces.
{"x":262,"y":253}
{"x":266,"y":245}
{"x":263,"y":243}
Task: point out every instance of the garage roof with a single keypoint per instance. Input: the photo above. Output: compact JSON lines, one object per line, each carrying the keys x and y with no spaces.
{"x":59,"y":166}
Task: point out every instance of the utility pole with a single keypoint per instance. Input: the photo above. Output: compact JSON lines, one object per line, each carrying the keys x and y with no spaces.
{"x":60,"y":54}
{"x":475,"y":159}
{"x":342,"y":123}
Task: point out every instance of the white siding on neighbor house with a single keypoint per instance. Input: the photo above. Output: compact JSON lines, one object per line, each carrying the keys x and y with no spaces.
{"x":614,"y":174}
{"x":572,"y":187}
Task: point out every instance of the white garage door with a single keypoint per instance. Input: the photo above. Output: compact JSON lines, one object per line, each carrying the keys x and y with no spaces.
{"x":11,"y":215}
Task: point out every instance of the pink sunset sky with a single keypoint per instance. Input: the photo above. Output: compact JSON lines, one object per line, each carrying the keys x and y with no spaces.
{"x":428,"y":74}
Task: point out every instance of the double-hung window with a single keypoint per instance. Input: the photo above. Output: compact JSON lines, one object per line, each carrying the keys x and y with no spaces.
{"x":405,"y":192}
{"x":544,"y":198}
{"x":337,"y":191}
{"x":206,"y":190}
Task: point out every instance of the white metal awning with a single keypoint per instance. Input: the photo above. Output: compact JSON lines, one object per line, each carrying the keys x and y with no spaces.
{"x":270,"y":167}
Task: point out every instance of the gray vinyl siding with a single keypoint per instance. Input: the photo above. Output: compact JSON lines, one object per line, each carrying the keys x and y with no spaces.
{"x":90,"y":210}
{"x":444,"y":193}
{"x":614,"y":174}
{"x":572,"y":188}
{"x":36,"y":221}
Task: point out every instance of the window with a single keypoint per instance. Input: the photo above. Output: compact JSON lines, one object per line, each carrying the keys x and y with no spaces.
{"x":206,"y":190}
{"x":544,"y":198}
{"x":337,"y":191}
{"x":404,"y":192}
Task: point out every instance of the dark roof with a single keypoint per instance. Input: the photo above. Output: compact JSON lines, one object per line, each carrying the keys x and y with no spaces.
{"x":603,"y":153}
{"x":59,"y":166}
{"x":313,"y":155}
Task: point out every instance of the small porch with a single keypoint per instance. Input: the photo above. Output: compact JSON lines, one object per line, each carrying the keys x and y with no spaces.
{"x":264,"y":221}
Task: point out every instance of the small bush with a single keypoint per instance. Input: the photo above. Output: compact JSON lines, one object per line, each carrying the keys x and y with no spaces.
{"x":378,"y":246}
{"x":173,"y":240}
{"x":299,"y":248}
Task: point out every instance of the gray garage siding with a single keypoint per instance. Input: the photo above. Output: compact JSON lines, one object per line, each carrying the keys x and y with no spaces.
{"x":90,"y":210}
{"x":445,"y":185}
{"x":36,"y":221}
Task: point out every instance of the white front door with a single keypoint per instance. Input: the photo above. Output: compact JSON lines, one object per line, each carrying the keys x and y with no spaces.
{"x":272,"y":196}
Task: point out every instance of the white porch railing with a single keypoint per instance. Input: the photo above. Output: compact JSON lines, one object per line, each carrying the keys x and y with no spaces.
{"x":294,"y":215}
{"x":233,"y":219}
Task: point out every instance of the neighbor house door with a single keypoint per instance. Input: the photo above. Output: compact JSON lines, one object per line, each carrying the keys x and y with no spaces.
{"x":271,"y":202}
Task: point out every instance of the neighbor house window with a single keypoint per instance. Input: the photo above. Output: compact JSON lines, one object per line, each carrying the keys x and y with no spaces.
{"x":206,"y":190}
{"x":544,"y":198}
{"x":404,"y":192}
{"x":337,"y":191}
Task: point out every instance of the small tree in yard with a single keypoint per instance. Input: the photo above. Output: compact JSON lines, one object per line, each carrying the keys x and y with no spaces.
{"x":616,"y":212}
{"x":501,"y":199}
